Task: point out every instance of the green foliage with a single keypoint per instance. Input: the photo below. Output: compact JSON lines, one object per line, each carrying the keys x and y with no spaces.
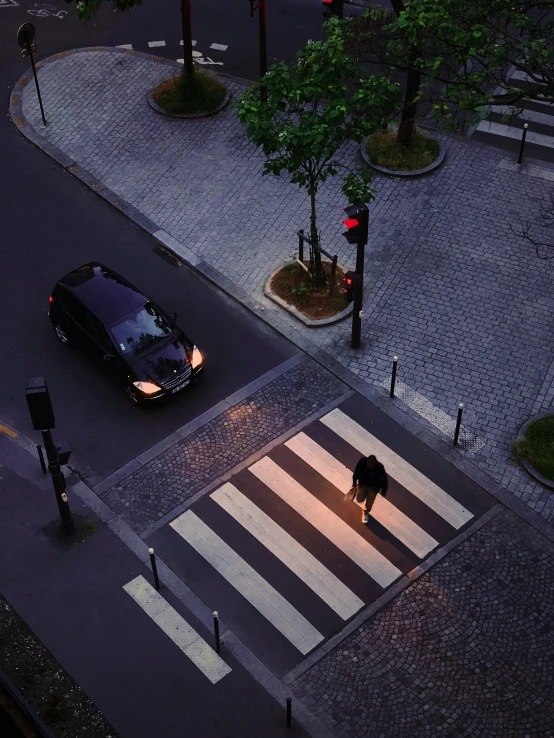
{"x":537,"y":445}
{"x":200,"y":94}
{"x":87,"y":9}
{"x":313,"y":107}
{"x":384,"y":151}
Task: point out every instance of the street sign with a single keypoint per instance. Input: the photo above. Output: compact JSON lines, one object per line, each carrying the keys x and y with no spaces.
{"x":28,"y":50}
{"x":26,"y":35}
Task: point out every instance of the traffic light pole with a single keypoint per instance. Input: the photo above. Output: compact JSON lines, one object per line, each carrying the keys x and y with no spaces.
{"x":58,"y":480}
{"x":358,"y":297}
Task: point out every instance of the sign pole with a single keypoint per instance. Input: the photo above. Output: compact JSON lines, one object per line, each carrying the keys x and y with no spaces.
{"x":25,"y":36}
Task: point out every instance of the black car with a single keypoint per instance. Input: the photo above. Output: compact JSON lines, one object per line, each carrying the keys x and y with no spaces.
{"x":96,"y":310}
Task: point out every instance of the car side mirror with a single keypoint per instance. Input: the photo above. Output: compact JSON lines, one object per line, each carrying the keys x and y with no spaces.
{"x":174,"y":316}
{"x":109,"y":357}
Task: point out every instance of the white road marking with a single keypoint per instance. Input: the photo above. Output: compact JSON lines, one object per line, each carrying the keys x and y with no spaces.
{"x":181,"y":42}
{"x":153,"y":44}
{"x":312,"y":572}
{"x":273,"y":606}
{"x":125,"y":46}
{"x":409,"y":477}
{"x":207,"y":60}
{"x":181,"y":633}
{"x":400,"y":525}
{"x":219,"y":47}
{"x":324,"y":520}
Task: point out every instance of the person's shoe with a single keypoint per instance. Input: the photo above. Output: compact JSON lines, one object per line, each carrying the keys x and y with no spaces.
{"x":365,"y":517}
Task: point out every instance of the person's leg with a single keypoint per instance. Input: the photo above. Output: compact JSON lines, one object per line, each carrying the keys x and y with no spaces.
{"x":369,"y":500}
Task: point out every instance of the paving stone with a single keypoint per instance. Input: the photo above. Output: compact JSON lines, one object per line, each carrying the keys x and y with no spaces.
{"x":467,"y":650}
{"x":191,"y":464}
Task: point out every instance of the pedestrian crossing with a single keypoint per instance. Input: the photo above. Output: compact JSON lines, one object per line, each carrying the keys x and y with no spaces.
{"x":278,"y":543}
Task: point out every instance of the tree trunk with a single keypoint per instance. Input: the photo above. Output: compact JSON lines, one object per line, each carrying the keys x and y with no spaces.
{"x":406,"y":129}
{"x":319,"y":276}
{"x":187,"y":38}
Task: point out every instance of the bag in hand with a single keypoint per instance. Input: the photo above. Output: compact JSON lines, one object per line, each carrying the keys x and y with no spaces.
{"x":351,"y":494}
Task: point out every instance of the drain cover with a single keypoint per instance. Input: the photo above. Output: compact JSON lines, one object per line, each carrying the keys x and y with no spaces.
{"x":168,"y":256}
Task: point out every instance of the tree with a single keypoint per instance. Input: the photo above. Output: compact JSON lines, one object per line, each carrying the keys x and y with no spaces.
{"x":86,"y":9}
{"x":312,"y":109}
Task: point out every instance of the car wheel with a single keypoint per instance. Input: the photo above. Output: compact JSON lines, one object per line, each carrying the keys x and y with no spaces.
{"x":61,"y":335}
{"x":131,"y":394}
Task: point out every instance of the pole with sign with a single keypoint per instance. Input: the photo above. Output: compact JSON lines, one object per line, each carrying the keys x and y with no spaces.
{"x":25,"y":37}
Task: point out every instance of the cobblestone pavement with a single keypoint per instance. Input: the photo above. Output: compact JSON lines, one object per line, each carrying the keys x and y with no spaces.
{"x":465,"y":651}
{"x":185,"y":468}
{"x":463,"y":301}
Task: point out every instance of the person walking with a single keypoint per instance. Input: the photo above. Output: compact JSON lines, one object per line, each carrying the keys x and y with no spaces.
{"x":369,"y":478}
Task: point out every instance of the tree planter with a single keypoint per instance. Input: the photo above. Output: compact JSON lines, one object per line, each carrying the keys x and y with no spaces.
{"x":403,"y":172}
{"x":160,"y":110}
{"x":529,"y":468}
{"x":296,"y":312}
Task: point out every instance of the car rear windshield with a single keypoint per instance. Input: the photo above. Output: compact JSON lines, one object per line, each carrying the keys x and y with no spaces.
{"x":140,"y":329}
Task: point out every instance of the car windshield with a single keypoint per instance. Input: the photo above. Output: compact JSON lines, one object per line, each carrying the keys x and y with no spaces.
{"x":140,"y":329}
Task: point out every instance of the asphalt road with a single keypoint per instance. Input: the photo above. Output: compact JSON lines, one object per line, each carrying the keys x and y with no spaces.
{"x":51,"y":224}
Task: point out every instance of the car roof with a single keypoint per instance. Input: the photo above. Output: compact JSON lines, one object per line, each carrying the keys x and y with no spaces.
{"x":103,"y":291}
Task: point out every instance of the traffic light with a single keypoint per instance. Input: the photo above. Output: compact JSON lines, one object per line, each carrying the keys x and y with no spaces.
{"x":348,"y":289}
{"x":64,"y":452}
{"x":333,"y":7}
{"x":38,"y":402}
{"x":356,"y":223}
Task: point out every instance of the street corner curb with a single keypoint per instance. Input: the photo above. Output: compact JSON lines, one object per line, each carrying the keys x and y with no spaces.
{"x":291,"y":310}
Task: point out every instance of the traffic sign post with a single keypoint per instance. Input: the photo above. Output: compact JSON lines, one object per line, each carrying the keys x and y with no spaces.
{"x":25,"y":37}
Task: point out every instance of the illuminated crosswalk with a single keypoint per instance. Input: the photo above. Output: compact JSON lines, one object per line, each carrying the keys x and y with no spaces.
{"x":280,"y":536}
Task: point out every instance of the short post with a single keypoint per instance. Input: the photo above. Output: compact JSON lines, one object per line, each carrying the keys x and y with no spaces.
{"x":333,"y":275}
{"x":154,"y":568}
{"x":458,"y":423}
{"x":216,"y":632}
{"x":289,"y":712}
{"x":393,"y":380}
{"x":41,"y":459}
{"x":301,"y":245}
{"x":520,"y":157}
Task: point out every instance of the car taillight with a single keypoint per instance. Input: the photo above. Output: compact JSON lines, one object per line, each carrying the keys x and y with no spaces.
{"x":50,"y":299}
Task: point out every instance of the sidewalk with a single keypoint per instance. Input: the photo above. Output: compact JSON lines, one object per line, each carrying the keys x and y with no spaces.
{"x":464,"y":303}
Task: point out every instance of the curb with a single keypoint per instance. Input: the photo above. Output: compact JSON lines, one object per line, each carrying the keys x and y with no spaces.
{"x":404,"y":174}
{"x":403,"y":415}
{"x":24,"y":707}
{"x":186,"y":116}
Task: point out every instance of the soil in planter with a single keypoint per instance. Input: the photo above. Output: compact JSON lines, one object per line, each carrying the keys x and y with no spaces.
{"x":537,"y":446}
{"x":383,"y":150}
{"x":292,"y":284}
{"x":179,"y":95}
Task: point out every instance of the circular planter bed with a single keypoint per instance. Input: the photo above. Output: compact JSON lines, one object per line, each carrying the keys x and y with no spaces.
{"x":176,"y":98}
{"x":535,"y":448}
{"x":290,"y":287}
{"x":380,"y":152}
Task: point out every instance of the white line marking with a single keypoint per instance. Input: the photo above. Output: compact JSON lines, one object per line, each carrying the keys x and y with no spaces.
{"x":400,"y":525}
{"x":153,"y":44}
{"x":219,"y":47}
{"x":409,"y":477}
{"x":192,"y":42}
{"x":181,"y":633}
{"x":330,"y":525}
{"x":312,"y":572}
{"x":125,"y":46}
{"x":248,"y":582}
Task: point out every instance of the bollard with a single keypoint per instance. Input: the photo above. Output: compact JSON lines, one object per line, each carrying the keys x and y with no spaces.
{"x":41,"y":459}
{"x":154,"y":568}
{"x":216,"y":632}
{"x":333,"y":275}
{"x":458,"y":423}
{"x":393,"y":380}
{"x":301,"y":245}
{"x":525,"y":127}
{"x":289,"y":712}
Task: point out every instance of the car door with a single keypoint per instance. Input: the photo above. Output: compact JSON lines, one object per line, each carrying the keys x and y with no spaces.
{"x":102,"y":348}
{"x":73,"y":318}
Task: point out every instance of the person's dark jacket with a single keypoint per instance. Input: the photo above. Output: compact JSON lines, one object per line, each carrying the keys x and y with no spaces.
{"x":375,"y":478}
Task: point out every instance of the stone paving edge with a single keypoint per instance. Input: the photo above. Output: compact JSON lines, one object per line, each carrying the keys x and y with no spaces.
{"x":407,"y":418}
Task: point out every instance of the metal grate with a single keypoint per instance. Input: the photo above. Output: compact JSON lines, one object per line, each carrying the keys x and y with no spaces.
{"x":177,"y":378}
{"x":168,"y":256}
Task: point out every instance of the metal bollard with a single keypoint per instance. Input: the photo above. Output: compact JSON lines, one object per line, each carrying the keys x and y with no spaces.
{"x":525,"y":127}
{"x":458,"y":423}
{"x":301,"y":245}
{"x":154,"y":568}
{"x":216,"y":632}
{"x":41,"y":459}
{"x":393,"y":380}
{"x":289,"y":712}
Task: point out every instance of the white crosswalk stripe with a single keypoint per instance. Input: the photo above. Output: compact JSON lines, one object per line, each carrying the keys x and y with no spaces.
{"x":330,"y":525}
{"x":248,"y":582}
{"x":175,"y":627}
{"x":409,"y":477}
{"x":325,"y":584}
{"x":400,"y":525}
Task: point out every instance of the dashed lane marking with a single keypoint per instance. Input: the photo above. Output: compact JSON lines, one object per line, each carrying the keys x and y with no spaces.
{"x":219,"y":47}
{"x":153,"y":44}
{"x":181,"y":633}
{"x":128,"y":47}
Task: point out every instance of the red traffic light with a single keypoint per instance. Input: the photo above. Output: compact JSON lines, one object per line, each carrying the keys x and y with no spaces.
{"x":351,"y":222}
